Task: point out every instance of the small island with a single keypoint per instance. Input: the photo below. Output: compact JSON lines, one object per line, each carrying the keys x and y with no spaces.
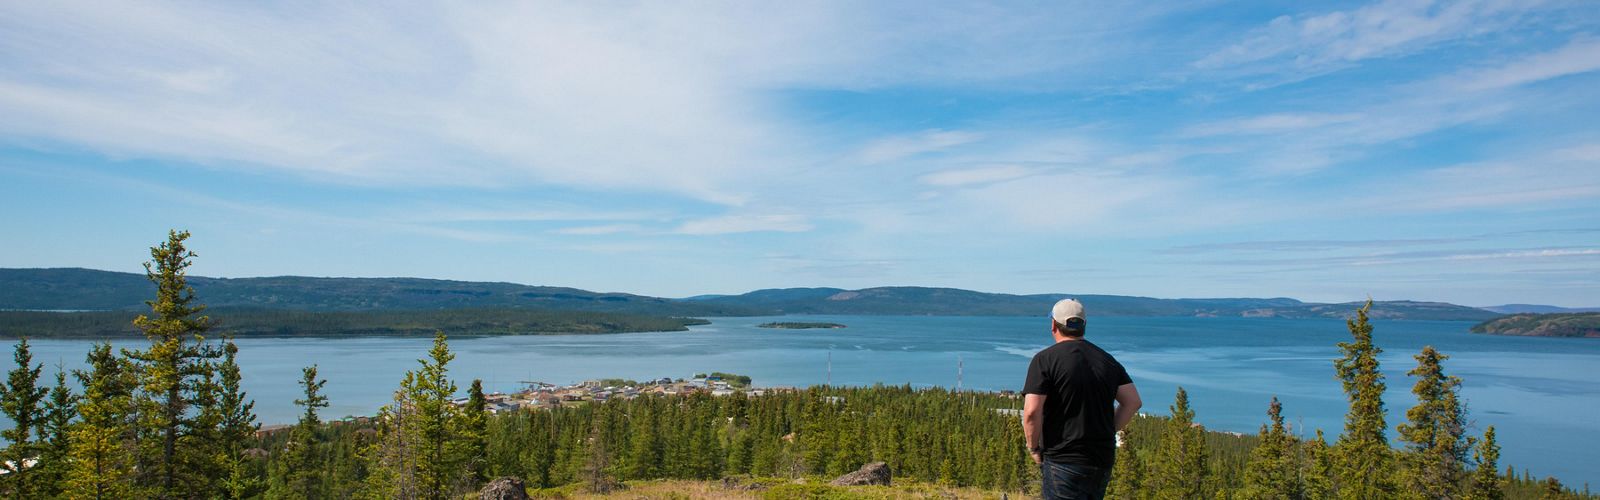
{"x":1543,"y":325}
{"x":799,"y":325}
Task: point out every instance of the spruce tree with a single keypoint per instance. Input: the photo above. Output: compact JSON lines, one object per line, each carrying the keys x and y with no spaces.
{"x":21,"y":399}
{"x":237,"y":427}
{"x":1179,"y":469}
{"x":174,"y":372}
{"x":301,"y":466}
{"x":416,"y":457}
{"x":1435,"y":431}
{"x":1271,"y":472}
{"x":475,"y":434}
{"x":101,"y":442}
{"x":1362,"y":455}
{"x":1319,"y":469}
{"x":1486,"y":481}
{"x":54,"y":436}
{"x":1127,"y":476}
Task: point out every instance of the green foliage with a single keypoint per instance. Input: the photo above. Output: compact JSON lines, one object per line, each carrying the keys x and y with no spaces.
{"x":1273,"y":469}
{"x":174,"y":431}
{"x":1127,"y":477}
{"x":102,"y":442}
{"x":1487,"y":484}
{"x":1178,"y":468}
{"x":21,"y":399}
{"x":1362,"y":455}
{"x":418,"y":455}
{"x":298,"y":473}
{"x":55,"y":440}
{"x":1543,"y":325}
{"x":1435,"y":432}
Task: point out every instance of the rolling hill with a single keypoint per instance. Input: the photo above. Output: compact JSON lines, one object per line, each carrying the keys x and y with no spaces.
{"x":86,"y":289}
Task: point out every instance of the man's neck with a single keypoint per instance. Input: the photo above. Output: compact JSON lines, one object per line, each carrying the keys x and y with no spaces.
{"x":1060,"y":339}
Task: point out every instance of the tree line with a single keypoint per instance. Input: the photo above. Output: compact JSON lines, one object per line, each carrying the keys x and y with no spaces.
{"x":171,"y":421}
{"x":284,"y":323}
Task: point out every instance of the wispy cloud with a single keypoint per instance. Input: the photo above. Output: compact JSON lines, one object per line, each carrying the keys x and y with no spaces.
{"x":728,"y":224}
{"x":970,"y":176}
{"x":1305,"y":245}
{"x":1271,"y":123}
{"x":599,"y":230}
{"x":1306,"y":45}
{"x":1582,"y":56}
{"x":899,"y":147}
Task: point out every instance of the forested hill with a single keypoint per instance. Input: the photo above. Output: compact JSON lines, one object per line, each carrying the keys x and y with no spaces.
{"x":280,"y":323}
{"x":1543,"y":325}
{"x":957,"y":302}
{"x":87,"y":289}
{"x":84,"y":289}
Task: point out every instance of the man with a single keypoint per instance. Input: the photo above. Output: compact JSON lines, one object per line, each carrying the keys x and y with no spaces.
{"x":1068,"y":417}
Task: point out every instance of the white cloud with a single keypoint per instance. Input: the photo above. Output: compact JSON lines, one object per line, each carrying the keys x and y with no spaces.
{"x":1574,"y":58}
{"x":729,"y":224}
{"x":1270,"y":123}
{"x":895,"y":148}
{"x":648,"y":97}
{"x":1323,"y":42}
{"x":599,"y":230}
{"x":970,"y":176}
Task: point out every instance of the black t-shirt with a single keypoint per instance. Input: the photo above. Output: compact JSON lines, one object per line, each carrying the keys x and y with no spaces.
{"x":1080,"y":383}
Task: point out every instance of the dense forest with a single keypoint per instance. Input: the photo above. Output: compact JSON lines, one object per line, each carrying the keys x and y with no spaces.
{"x":272,"y":322}
{"x":1585,"y":324}
{"x":172,"y":421}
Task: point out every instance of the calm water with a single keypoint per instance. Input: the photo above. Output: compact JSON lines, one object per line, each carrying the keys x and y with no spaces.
{"x":1540,"y":394}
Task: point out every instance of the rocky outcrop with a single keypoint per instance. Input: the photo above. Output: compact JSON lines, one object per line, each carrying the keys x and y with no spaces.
{"x":876,"y":473}
{"x":505,"y":488}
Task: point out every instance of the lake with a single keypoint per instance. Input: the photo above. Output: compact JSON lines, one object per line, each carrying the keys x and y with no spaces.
{"x":1539,"y":393}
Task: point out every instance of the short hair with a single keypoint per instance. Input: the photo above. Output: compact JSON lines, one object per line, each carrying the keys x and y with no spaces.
{"x":1074,"y":327}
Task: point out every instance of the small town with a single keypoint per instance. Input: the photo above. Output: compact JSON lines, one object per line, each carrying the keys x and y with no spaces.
{"x":541,"y":395}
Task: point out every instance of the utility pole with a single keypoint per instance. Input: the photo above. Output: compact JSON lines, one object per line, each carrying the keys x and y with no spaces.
{"x":830,"y":367}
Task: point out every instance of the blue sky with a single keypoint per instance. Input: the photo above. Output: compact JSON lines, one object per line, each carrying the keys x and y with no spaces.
{"x":1322,"y":151}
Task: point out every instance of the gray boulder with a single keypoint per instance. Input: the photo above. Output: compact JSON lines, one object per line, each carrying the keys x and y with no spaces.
{"x":873,"y":473}
{"x":505,"y":488}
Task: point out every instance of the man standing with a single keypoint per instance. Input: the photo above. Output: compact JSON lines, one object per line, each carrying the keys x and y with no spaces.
{"x":1068,"y":417}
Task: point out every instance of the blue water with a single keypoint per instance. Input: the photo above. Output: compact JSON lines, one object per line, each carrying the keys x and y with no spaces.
{"x":1539,"y":393}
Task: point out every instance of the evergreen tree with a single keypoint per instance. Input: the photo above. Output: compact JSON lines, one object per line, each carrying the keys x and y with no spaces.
{"x":1435,"y":431}
{"x":1271,"y":471}
{"x":475,"y":434}
{"x":101,"y":443}
{"x":1127,"y":476}
{"x":174,"y":372}
{"x":1179,"y":469}
{"x":416,"y":458}
{"x":1362,"y":454}
{"x":237,"y":426}
{"x":21,"y":400}
{"x":301,"y":467}
{"x":1319,"y":474}
{"x":54,"y":436}
{"x":1486,"y":481}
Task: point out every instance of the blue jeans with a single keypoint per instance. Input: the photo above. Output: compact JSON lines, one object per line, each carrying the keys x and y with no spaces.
{"x":1072,"y":481}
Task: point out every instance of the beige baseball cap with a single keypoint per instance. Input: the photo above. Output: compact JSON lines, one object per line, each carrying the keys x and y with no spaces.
{"x":1066,"y":309}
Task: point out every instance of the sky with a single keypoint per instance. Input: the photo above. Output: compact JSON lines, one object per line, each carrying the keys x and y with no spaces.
{"x":1326,"y":151}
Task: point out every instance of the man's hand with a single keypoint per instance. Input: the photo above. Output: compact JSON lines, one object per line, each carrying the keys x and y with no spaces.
{"x":1037,"y":459}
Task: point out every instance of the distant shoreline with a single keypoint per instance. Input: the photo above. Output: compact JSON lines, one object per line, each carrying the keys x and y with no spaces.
{"x":800,"y":325}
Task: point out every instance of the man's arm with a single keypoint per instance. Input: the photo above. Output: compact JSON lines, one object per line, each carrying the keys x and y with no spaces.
{"x":1128,"y":404}
{"x":1033,"y":423}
